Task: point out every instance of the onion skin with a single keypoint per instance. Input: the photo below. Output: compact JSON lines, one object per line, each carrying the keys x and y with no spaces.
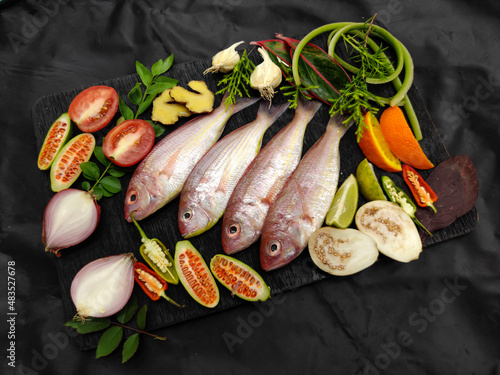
{"x":103,"y":287}
{"x":66,"y":224}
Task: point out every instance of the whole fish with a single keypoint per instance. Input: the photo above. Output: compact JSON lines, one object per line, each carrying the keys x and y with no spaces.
{"x":207,"y":190}
{"x":258,"y":188}
{"x":303,"y":203}
{"x":160,"y":176}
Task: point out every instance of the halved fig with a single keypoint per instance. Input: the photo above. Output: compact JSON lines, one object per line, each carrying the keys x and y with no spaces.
{"x":195,"y":275}
{"x":66,"y":166}
{"x":242,"y":280}
{"x":57,"y":136}
{"x":342,"y":252}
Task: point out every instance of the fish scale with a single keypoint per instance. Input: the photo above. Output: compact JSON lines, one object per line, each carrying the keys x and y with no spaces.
{"x":264,"y":178}
{"x":303,"y":203}
{"x":160,"y":176}
{"x":206,"y":192}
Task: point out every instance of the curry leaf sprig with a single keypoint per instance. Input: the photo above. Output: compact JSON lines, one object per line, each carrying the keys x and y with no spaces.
{"x":103,"y":185}
{"x":236,"y":82}
{"x":154,"y":84}
{"x":113,"y":331}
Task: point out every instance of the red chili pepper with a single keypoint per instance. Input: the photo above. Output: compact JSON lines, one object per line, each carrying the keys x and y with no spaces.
{"x":152,"y":284}
{"x":422,"y":192}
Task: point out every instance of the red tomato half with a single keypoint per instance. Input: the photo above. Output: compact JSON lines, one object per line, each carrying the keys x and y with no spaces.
{"x":129,"y":142}
{"x":93,"y":108}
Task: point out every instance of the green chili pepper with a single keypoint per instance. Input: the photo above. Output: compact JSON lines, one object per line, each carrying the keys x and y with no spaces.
{"x":398,"y":196}
{"x":157,"y":256}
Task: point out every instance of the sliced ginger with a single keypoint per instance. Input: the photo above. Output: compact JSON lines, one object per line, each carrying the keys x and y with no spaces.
{"x":167,"y":111}
{"x":200,"y":101}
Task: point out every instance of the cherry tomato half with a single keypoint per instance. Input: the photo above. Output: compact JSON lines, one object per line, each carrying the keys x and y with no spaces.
{"x":93,"y":108}
{"x":129,"y":142}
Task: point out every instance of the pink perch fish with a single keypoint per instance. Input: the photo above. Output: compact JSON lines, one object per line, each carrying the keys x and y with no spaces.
{"x":303,"y":203}
{"x":207,"y":190}
{"x":258,"y":188}
{"x":160,"y":176}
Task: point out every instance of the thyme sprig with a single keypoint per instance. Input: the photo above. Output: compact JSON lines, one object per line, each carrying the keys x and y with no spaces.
{"x":293,"y":92}
{"x":355,"y":98}
{"x":236,"y":82}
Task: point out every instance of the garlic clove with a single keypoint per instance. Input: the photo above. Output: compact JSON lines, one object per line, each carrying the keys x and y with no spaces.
{"x":225,"y":60}
{"x":266,"y":76}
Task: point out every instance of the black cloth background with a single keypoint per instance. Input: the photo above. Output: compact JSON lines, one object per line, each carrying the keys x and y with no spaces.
{"x":438,"y":315}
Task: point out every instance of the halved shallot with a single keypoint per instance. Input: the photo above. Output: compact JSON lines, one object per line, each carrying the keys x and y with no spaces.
{"x":104,"y":286}
{"x":70,"y":217}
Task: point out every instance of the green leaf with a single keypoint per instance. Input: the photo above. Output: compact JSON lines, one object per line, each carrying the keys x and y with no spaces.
{"x":105,"y":192}
{"x":90,"y":170}
{"x":167,"y":63}
{"x":156,"y":69}
{"x":159,"y":129}
{"x":125,"y":314}
{"x":130,"y":347}
{"x":135,"y":95}
{"x":109,"y":341}
{"x":86,"y":185}
{"x":144,"y":73}
{"x":141,"y":317}
{"x":111,"y":184}
{"x":99,"y":154}
{"x":167,"y":80}
{"x":146,"y":103}
{"x":125,"y":110}
{"x":116,"y":172}
{"x":89,"y":325}
{"x":98,"y":191}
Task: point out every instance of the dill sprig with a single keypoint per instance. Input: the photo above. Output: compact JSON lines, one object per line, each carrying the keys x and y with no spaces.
{"x":355,"y":98}
{"x":237,"y":81}
{"x":294,"y":92}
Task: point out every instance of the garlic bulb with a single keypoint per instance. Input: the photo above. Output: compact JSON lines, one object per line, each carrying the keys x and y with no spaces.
{"x":225,"y":60}
{"x":103,"y":287}
{"x":266,"y":76}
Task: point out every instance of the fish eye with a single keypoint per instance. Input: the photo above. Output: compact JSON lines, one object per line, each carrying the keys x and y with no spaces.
{"x":132,"y":197}
{"x":232,"y":230}
{"x":274,"y":248}
{"x":187,"y":214}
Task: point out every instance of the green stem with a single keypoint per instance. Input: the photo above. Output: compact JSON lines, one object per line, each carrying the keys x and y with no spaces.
{"x":143,"y":235}
{"x":140,"y":331}
{"x":101,"y":177}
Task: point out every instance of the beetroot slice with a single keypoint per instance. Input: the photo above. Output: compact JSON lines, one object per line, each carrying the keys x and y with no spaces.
{"x":455,"y":182}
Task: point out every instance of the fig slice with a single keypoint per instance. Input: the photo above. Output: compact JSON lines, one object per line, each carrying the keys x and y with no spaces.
{"x":195,"y":275}
{"x":66,"y":166}
{"x":241,"y":279}
{"x":57,"y":136}
{"x":342,"y":252}
{"x":392,"y":229}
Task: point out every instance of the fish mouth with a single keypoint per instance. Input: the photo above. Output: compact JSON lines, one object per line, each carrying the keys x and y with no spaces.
{"x":192,"y":221}
{"x":137,"y":200}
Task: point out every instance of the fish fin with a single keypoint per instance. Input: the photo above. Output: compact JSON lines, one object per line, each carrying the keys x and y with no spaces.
{"x":169,"y":168}
{"x":338,"y":121}
{"x":272,"y":112}
{"x":241,"y":103}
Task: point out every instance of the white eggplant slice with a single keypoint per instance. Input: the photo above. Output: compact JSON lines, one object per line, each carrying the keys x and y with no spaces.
{"x":342,"y":252}
{"x":392,"y":229}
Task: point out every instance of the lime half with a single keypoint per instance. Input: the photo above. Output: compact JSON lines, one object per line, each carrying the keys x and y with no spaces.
{"x":344,"y":205}
{"x":369,"y":187}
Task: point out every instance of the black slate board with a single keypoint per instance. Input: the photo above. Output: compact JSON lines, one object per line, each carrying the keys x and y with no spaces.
{"x":114,"y":235}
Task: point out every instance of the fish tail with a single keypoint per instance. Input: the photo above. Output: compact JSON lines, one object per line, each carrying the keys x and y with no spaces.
{"x":240,"y":103}
{"x":340,"y":122}
{"x":307,"y":108}
{"x":271,"y":112}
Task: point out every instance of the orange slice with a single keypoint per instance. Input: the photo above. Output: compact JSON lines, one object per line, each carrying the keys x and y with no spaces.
{"x":375,"y":147}
{"x":401,"y":140}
